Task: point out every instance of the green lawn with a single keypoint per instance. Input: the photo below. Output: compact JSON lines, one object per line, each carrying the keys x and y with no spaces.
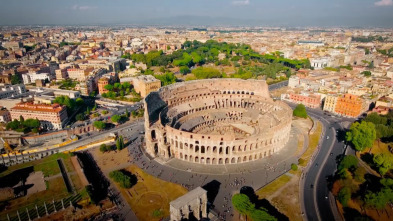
{"x":47,"y":165}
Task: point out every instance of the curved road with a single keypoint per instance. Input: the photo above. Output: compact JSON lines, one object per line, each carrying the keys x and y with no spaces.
{"x":317,"y":202}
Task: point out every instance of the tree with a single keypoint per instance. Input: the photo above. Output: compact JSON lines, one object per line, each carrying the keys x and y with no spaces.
{"x":99,"y":125}
{"x":348,"y":162}
{"x":261,"y":214}
{"x":300,"y":111}
{"x":184,"y":70}
{"x":344,"y":196}
{"x":361,"y":135}
{"x":384,"y":162}
{"x":103,"y":148}
{"x":206,"y":73}
{"x":127,"y":113}
{"x":80,"y":117}
{"x":120,"y":143}
{"x":109,"y":87}
{"x":115,"y":118}
{"x":366,"y":73}
{"x":15,"y":79}
{"x":166,"y":79}
{"x":94,"y":108}
{"x":87,"y":111}
{"x":294,"y":167}
{"x":242,"y":204}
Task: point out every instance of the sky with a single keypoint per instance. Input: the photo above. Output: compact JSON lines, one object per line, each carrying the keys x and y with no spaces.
{"x":292,"y":13}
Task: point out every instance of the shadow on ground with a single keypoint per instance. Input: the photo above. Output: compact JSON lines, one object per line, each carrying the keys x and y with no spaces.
{"x":250,"y":192}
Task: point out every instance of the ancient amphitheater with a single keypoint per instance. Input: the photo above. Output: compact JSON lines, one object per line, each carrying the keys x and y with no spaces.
{"x":216,"y":121}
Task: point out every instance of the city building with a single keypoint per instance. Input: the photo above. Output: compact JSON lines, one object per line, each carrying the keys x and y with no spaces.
{"x":330,"y":103}
{"x":78,"y":74}
{"x":349,"y":105}
{"x":145,"y":84}
{"x":12,"y":91}
{"x":5,"y":116}
{"x":50,"y":116}
{"x":312,"y":100}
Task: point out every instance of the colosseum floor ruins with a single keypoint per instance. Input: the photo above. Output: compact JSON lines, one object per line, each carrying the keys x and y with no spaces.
{"x":215,"y":122}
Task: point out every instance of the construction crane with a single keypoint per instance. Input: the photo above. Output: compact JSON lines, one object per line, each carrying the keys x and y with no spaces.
{"x":7,"y":146}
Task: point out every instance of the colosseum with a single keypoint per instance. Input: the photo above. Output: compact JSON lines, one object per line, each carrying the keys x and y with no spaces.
{"x":215,"y":121}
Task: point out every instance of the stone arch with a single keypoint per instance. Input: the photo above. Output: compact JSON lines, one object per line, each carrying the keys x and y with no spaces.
{"x":233,"y":160}
{"x":191,"y":158}
{"x":181,"y":155}
{"x":196,"y":148}
{"x":153,"y":134}
{"x":196,"y":159}
{"x":250,"y":157}
{"x":227,"y":150}
{"x":239,"y":160}
{"x":220,"y":161}
{"x":226,"y":160}
{"x":203,"y":149}
{"x":214,"y":161}
{"x":208,"y":160}
{"x":245,"y":159}
{"x":220,"y":151}
{"x":214,"y":149}
{"x":186,"y":157}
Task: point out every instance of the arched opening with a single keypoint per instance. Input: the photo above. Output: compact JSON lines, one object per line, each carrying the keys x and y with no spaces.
{"x":196,"y":159}
{"x":220,"y":161}
{"x":233,"y":160}
{"x":227,"y":150}
{"x":214,"y":161}
{"x":220,"y":151}
{"x":181,"y":155}
{"x":155,"y":149}
{"x":250,"y":157}
{"x":226,"y":160}
{"x":196,"y":149}
{"x":153,"y":134}
{"x":208,"y":160}
{"x":244,"y":159}
{"x":239,"y":160}
{"x":185,"y":157}
{"x":202,"y":160}
{"x":203,"y":149}
{"x":214,"y":149}
{"x":169,"y":151}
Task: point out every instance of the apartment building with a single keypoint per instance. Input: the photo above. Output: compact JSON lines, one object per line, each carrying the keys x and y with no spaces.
{"x":312,"y":100}
{"x":145,"y":84}
{"x":78,"y":74}
{"x":349,"y":105}
{"x":51,"y":116}
{"x":330,"y":103}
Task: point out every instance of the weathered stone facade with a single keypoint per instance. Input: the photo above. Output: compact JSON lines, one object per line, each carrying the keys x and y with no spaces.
{"x":193,"y":203}
{"x":216,"y":121}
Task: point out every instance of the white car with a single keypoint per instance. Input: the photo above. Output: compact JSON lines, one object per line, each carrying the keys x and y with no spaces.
{"x":327,"y":138}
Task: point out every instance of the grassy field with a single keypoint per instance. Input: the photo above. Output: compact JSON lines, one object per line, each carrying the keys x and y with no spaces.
{"x":313,"y":144}
{"x":56,"y":190}
{"x":150,"y":197}
{"x":47,"y":165}
{"x":273,"y":186}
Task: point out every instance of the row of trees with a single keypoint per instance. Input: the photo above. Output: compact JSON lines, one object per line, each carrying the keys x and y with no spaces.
{"x":244,"y":206}
{"x":23,"y":125}
{"x":71,"y":104}
{"x":197,"y":53}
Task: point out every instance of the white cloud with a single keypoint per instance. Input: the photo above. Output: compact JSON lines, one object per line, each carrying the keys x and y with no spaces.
{"x":241,"y":2}
{"x":83,"y":7}
{"x":384,"y":3}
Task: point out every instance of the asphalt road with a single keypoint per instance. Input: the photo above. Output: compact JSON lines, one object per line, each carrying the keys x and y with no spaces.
{"x":317,"y":202}
{"x":278,"y":85}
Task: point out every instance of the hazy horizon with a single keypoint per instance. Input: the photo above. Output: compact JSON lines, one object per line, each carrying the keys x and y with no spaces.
{"x":326,"y":13}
